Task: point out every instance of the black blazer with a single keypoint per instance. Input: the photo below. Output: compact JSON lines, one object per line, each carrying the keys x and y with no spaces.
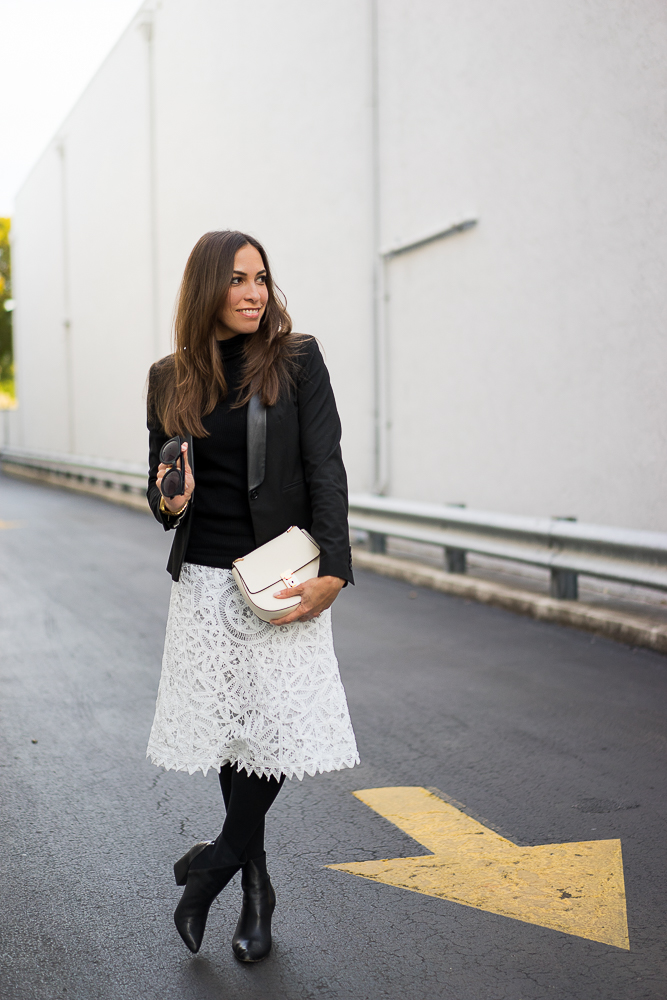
{"x":295,"y":469}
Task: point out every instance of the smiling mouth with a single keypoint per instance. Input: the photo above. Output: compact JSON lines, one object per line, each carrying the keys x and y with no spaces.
{"x":251,"y":313}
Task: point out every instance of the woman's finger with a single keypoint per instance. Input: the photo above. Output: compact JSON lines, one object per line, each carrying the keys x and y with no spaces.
{"x":311,"y":616}
{"x":311,"y":606}
{"x":286,"y":620}
{"x":289,"y":592}
{"x":297,"y":615}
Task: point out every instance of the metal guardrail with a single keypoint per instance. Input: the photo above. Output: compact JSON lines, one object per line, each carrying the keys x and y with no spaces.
{"x":125,"y":476}
{"x":565,"y":547}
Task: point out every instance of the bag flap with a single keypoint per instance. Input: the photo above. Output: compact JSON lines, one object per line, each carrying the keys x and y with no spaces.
{"x":288,"y":553}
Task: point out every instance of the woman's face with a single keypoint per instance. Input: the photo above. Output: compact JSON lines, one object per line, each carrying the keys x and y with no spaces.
{"x":247,"y":296}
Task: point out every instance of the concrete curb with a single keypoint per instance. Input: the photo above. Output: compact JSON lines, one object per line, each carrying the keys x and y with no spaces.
{"x":616,"y":625}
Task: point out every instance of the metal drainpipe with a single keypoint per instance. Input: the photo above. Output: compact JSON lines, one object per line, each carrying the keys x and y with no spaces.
{"x":67,"y":320}
{"x":380,"y":346}
{"x":147,"y":28}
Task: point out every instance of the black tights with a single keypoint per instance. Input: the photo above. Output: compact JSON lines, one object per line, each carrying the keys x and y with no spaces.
{"x":248,"y":798}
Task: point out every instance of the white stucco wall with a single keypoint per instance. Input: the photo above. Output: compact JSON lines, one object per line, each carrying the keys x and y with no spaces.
{"x":263,"y":126}
{"x":532,"y":347}
{"x":93,"y":181}
{"x":526,"y":356}
{"x":39,"y":332}
{"x":281,"y":152}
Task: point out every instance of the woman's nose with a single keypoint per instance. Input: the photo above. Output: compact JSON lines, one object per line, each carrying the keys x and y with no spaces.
{"x":252,"y":293}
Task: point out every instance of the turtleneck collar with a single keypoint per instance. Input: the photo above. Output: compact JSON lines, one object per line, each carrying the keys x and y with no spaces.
{"x":233,"y":347}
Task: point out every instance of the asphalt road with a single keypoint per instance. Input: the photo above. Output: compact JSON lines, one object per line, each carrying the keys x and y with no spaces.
{"x":552,"y":735}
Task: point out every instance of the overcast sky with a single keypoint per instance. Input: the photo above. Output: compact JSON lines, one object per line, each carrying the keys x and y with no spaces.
{"x":50,"y":50}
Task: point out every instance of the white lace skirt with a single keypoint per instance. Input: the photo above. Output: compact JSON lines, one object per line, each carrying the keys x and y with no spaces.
{"x":234,"y":689}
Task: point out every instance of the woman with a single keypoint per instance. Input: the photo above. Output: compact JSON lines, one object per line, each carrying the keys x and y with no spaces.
{"x":261,"y":438}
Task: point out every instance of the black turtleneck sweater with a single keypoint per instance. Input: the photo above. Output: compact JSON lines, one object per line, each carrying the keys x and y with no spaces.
{"x":221,"y":528}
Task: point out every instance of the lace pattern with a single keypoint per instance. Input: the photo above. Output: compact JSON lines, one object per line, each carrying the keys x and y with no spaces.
{"x":235,"y":689}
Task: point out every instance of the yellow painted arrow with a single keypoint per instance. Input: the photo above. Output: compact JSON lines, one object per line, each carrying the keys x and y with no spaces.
{"x":576,"y":888}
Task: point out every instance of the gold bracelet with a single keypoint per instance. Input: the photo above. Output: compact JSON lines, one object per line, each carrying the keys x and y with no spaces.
{"x":172,"y":513}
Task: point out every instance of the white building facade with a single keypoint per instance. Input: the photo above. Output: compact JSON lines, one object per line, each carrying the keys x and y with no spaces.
{"x":514,"y":362}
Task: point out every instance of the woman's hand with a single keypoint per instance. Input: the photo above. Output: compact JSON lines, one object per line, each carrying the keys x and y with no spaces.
{"x":316,"y":595}
{"x":177,"y":503}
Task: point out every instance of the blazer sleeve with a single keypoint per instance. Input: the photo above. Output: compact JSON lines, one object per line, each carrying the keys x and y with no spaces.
{"x":156,"y":438}
{"x":320,"y":432}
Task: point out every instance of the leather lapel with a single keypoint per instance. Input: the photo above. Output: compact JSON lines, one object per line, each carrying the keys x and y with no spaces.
{"x":256,"y":437}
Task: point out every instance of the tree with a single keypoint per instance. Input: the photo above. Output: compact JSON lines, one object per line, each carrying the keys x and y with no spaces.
{"x":6,"y":346}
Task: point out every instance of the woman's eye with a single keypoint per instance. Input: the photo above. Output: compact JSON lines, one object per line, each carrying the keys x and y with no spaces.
{"x":261,"y":279}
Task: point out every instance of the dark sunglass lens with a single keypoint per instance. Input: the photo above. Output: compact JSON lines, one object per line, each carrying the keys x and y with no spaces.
{"x":170,"y":451}
{"x":171,"y":484}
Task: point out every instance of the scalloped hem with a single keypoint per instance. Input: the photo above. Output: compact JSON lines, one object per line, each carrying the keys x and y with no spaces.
{"x":171,"y":764}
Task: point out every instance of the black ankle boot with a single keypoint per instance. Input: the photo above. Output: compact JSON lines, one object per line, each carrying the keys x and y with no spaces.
{"x":182,"y":866}
{"x":252,"y":940}
{"x":202,"y":885}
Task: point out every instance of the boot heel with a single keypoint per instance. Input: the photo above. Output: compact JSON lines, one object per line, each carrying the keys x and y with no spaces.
{"x":182,"y":866}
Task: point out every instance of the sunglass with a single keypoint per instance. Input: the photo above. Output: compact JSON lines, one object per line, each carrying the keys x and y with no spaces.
{"x":173,"y":481}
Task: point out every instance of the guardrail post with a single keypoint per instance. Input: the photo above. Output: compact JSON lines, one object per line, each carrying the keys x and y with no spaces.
{"x":455,"y":560}
{"x":564,"y":584}
{"x":377,"y":542}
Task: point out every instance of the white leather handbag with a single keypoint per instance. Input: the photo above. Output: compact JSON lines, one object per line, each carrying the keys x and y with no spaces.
{"x":283,"y":563}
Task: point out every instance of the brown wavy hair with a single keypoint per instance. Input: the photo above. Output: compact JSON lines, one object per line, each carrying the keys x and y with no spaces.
{"x":187,"y":385}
